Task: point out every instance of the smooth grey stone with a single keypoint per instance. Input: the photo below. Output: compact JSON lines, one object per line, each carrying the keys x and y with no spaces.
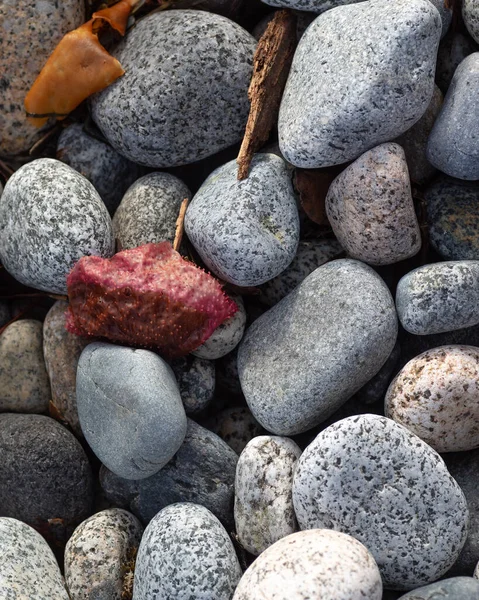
{"x":334,"y":109}
{"x":236,"y":426}
{"x":452,"y":146}
{"x":312,"y":564}
{"x":98,"y":552}
{"x":453,"y":49}
{"x":376,"y":388}
{"x":439,"y":297}
{"x":196,"y":380}
{"x":470,"y":14}
{"x":130,"y":409}
{"x":149,"y":210}
{"x":51,"y":216}
{"x":184,"y":95}
{"x":247,"y":231}
{"x":185,"y":552}
{"x":371,"y":478}
{"x":456,"y":588}
{"x":202,"y":471}
{"x":301,"y":360}
{"x":29,"y":567}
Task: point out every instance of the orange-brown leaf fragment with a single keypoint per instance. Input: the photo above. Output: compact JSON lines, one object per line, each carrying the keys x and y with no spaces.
{"x":117,"y":15}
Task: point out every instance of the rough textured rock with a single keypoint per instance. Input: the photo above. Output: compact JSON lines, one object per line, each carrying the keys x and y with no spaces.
{"x":453,"y":49}
{"x":456,"y":588}
{"x":470,"y":14}
{"x":196,"y":381}
{"x":164,"y":113}
{"x":376,"y":388}
{"x":371,"y":478}
{"x":186,"y":552}
{"x":51,"y":216}
{"x":312,"y":564}
{"x":236,"y":426}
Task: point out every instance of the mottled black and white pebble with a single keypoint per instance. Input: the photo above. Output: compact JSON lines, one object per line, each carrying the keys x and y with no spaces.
{"x":236,"y":426}
{"x":456,"y":588}
{"x":98,"y":554}
{"x":439,"y":297}
{"x":149,"y":210}
{"x":184,"y":95}
{"x":334,"y":109}
{"x":196,"y":380}
{"x":376,"y":388}
{"x":371,"y":478}
{"x":51,"y":216}
{"x":185,"y":552}
{"x":470,"y":14}
{"x":453,"y":49}
{"x":246,"y":231}
{"x":312,"y":564}
{"x":296,"y":370}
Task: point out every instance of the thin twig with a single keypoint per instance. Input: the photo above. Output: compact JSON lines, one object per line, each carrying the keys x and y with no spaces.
{"x":180,"y":221}
{"x":39,"y":143}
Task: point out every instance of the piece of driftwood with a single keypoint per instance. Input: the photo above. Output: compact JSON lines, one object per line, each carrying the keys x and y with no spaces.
{"x":180,"y":225}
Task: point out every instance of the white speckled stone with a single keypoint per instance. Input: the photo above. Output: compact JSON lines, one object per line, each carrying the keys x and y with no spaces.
{"x":312,"y":564}
{"x":196,"y":380}
{"x":97,"y":553}
{"x":51,"y":216}
{"x":226,"y":337}
{"x":184,"y":95}
{"x":301,"y":360}
{"x":130,"y":409}
{"x":333,"y":108}
{"x":439,"y":297}
{"x":370,"y":208}
{"x":149,"y":210}
{"x":436,"y":396}
{"x":29,"y":568}
{"x":455,"y":588}
{"x":470,"y":14}
{"x":185,"y":552}
{"x":246,"y":231}
{"x":263,"y":509}
{"x":371,"y":478}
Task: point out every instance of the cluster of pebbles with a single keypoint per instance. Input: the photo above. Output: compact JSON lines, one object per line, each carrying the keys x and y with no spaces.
{"x":324,"y":441}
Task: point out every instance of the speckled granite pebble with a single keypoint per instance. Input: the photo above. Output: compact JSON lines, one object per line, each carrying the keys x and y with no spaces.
{"x":149,"y":210}
{"x":202,"y":471}
{"x":186,"y":105}
{"x":312,"y":564}
{"x":376,"y":388}
{"x":263,"y":492}
{"x":51,"y":216}
{"x":439,"y":297}
{"x":470,"y":14}
{"x":97,"y":555}
{"x":236,"y":426}
{"x":29,"y":568}
{"x":371,"y":210}
{"x":456,"y":588}
{"x":334,"y":109}
{"x":295,"y":370}
{"x":130,"y":408}
{"x":452,"y":146}
{"x":24,"y":385}
{"x":246,"y":231}
{"x":185,"y":552}
{"x":196,"y":380}
{"x":453,"y":49}
{"x":372,"y":478}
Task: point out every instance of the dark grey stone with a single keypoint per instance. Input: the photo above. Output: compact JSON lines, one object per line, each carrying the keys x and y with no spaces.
{"x":196,"y":380}
{"x":376,"y":388}
{"x":453,"y":49}
{"x":236,"y":426}
{"x":456,"y":588}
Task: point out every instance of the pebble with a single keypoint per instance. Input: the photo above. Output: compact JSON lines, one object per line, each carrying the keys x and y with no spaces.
{"x":41,"y":235}
{"x":149,"y":210}
{"x":371,"y":478}
{"x":185,"y":552}
{"x":376,"y":388}
{"x":196,"y":381}
{"x":439,"y":297}
{"x":130,"y":409}
{"x":236,"y":426}
{"x":24,"y":385}
{"x":452,"y":145}
{"x":296,"y":371}
{"x":29,"y":567}
{"x":98,"y":554}
{"x":202,"y":471}
{"x":165,"y":113}
{"x":456,"y":588}
{"x":334,"y":109}
{"x":371,"y":210}
{"x":263,"y":508}
{"x":243,"y":242}
{"x":453,"y":49}
{"x":470,"y":14}
{"x":312,"y":564}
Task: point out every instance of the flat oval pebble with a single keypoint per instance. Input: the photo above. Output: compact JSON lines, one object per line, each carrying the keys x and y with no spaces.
{"x":196,"y":381}
{"x":456,"y":588}
{"x":175,"y":105}
{"x":470,"y":14}
{"x":130,"y":409}
{"x":371,"y":478}
{"x":439,"y":297}
{"x":295,"y":370}
{"x":98,"y":553}
{"x":29,"y":567}
{"x":263,"y":509}
{"x":185,"y":552}
{"x":312,"y":564}
{"x":51,"y":216}
{"x":334,"y":109}
{"x":246,"y":231}
{"x":371,"y":210}
{"x":436,"y":396}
